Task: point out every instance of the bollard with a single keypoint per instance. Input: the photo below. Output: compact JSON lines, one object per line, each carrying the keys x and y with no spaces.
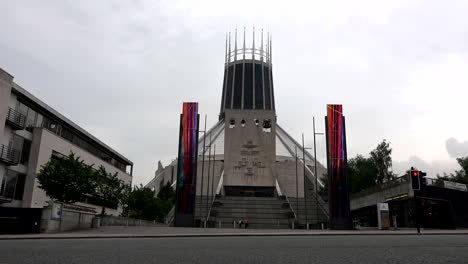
{"x":322,"y":226}
{"x":234,"y":224}
{"x":307,"y":225}
{"x":293,"y":225}
{"x":204,"y":223}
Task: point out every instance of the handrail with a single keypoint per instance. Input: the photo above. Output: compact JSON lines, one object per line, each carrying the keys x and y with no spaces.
{"x":220,"y":184}
{"x":170,"y":216}
{"x":16,"y":117}
{"x":278,"y":189}
{"x":310,"y":175}
{"x":320,"y":201}
{"x":299,"y":149}
{"x":214,"y":196}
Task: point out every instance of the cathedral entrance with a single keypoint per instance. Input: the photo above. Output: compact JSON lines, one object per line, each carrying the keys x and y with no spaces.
{"x":249,"y":191}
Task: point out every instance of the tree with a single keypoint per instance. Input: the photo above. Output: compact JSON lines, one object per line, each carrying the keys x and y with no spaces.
{"x":167,"y":193}
{"x":362,"y":173}
{"x":143,"y":203}
{"x":108,"y":188}
{"x":67,"y":180}
{"x":460,"y":176}
{"x":382,"y":158}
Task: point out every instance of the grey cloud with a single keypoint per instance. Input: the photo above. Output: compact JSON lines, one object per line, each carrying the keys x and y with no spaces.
{"x":122,"y":69}
{"x":432,"y":168}
{"x":455,"y":148}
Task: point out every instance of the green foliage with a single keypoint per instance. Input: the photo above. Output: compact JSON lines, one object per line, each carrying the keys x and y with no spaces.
{"x":362,"y":173}
{"x":382,"y":158}
{"x":68,"y":180}
{"x":167,"y":193}
{"x":460,"y":176}
{"x":367,"y":172}
{"x":108,"y":188}
{"x":144,"y":204}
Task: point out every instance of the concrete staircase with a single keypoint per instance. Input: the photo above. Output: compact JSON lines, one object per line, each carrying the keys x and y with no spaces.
{"x":261,"y":212}
{"x":316,"y":211}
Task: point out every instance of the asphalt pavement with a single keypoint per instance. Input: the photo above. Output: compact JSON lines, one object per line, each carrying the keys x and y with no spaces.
{"x":253,"y":249}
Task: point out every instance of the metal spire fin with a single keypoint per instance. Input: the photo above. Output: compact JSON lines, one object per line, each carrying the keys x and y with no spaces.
{"x":267,"y":48}
{"x":253,"y":44}
{"x":229,"y":53}
{"x":235,"y":46}
{"x":243,"y":55}
{"x":225,"y":51}
{"x":261,"y":47}
{"x":271,"y":51}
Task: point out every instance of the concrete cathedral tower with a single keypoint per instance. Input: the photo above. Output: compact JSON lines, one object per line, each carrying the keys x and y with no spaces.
{"x":248,"y":111}
{"x":249,"y":167}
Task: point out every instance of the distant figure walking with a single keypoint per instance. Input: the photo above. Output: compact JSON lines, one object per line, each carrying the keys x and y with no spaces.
{"x":246,"y":223}
{"x":240,"y":223}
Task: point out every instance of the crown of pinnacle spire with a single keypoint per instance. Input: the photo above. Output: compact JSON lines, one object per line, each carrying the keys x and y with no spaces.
{"x":257,"y":52}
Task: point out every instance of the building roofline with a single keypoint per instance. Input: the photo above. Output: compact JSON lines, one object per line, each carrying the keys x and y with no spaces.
{"x":20,"y":90}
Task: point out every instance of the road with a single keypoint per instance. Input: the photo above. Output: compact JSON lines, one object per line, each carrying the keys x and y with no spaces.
{"x":274,"y":249}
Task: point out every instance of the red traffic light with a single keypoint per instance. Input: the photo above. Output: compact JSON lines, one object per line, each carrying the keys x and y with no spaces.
{"x":415,"y":173}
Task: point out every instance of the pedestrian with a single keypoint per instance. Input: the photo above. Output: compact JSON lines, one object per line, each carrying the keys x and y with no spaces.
{"x":246,"y":223}
{"x":240,"y":223}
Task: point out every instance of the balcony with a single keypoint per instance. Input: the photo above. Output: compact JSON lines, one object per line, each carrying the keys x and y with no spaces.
{"x":15,"y":119}
{"x":9,"y":155}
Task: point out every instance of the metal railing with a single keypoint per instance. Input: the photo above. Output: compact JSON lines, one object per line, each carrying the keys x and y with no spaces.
{"x":278,"y":189}
{"x":320,"y":202}
{"x":380,"y":187}
{"x":214,"y":196}
{"x":9,"y":155}
{"x":15,"y":118}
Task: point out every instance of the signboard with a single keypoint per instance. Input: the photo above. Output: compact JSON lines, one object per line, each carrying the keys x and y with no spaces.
{"x":383,"y":217}
{"x":383,"y":206}
{"x":56,"y":213}
{"x":455,"y":186}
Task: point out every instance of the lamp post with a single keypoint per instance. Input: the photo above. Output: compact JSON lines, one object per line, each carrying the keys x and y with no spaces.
{"x":305,"y":188}
{"x":315,"y":170}
{"x":202,"y":169}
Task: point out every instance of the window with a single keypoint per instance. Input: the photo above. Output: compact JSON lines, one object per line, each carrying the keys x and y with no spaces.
{"x":267,"y":125}
{"x":31,"y":119}
{"x":232,"y":123}
{"x":22,"y":108}
{"x":2,"y":186}
{"x":17,"y":142}
{"x":20,"y":187}
{"x":25,"y":152}
{"x":13,"y":183}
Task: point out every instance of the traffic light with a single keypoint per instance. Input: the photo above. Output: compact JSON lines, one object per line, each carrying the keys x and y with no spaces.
{"x":415,"y":179}
{"x":422,"y":178}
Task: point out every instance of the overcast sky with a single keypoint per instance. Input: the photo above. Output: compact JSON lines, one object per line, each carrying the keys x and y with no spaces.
{"x":121,"y":69}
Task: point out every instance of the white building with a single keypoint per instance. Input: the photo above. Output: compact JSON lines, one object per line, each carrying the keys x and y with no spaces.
{"x":31,"y":133}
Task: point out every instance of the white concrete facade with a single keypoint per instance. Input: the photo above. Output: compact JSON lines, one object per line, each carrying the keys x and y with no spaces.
{"x":43,"y":133}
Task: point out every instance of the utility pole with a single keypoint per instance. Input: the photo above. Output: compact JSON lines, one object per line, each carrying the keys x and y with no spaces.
{"x":305,"y":188}
{"x":208,"y":180}
{"x":297,"y":185}
{"x":214,"y":163}
{"x":202,"y":169}
{"x":315,"y":172}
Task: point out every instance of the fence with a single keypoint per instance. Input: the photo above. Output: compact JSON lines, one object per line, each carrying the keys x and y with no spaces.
{"x":124,"y":221}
